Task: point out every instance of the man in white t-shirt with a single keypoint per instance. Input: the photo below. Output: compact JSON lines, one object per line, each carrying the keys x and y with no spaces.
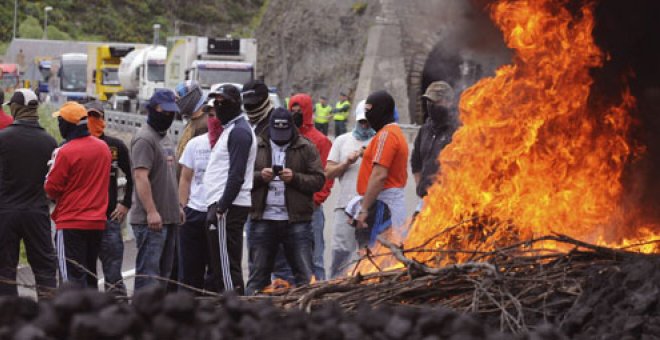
{"x":344,"y":164}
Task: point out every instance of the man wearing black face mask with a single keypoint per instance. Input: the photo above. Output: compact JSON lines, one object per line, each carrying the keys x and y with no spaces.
{"x":435,"y":134}
{"x":228,"y":182}
{"x":384,"y":168}
{"x":156,"y":211}
{"x":287,"y":173}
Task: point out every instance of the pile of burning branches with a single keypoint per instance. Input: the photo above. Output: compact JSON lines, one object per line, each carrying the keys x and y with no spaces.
{"x":513,"y":288}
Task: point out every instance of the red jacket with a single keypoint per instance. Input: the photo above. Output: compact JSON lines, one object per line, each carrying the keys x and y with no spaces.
{"x":78,"y":181}
{"x":322,"y":142}
{"x":5,"y":119}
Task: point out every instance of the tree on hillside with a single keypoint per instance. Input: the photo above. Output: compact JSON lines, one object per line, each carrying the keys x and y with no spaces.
{"x":30,"y":28}
{"x":54,"y":33}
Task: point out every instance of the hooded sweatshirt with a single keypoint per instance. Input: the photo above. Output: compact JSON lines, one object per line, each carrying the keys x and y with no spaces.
{"x":79,"y":180}
{"x":322,"y":143}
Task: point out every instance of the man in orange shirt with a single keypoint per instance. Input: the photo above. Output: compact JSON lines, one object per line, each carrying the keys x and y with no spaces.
{"x":383,"y":172}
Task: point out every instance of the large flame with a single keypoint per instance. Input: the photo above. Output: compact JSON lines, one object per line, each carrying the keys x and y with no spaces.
{"x":535,"y":154}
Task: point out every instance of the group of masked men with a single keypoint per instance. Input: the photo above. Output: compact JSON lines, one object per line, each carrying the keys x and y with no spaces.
{"x":241,"y":166}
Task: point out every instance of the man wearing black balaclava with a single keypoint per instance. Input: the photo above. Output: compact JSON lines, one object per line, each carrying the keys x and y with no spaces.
{"x":383,"y":171}
{"x":25,"y":148}
{"x":257,"y":105}
{"x":228,"y":181}
{"x":287,"y":173}
{"x":156,"y":211}
{"x":435,"y":134}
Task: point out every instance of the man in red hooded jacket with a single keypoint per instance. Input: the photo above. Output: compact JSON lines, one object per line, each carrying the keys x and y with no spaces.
{"x":301,"y":107}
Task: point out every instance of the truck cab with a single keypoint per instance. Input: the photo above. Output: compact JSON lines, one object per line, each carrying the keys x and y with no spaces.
{"x":106,"y":70}
{"x":71,"y":81}
{"x":209,"y":72}
{"x":210,"y":60}
{"x":9,"y":77}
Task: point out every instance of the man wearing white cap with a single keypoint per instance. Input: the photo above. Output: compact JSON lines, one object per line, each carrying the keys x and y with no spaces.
{"x":344,"y":163}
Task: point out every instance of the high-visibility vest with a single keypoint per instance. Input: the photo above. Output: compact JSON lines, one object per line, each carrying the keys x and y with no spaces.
{"x":341,"y":113}
{"x":323,"y":113}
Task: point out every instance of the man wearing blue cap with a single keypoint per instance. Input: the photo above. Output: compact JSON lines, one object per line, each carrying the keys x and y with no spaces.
{"x":156,"y":211}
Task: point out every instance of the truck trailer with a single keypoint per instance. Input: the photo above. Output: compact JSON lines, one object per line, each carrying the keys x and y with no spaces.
{"x":210,"y":61}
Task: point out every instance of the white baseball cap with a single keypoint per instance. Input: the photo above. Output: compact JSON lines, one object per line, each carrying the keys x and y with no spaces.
{"x":25,"y":97}
{"x":359,"y":111}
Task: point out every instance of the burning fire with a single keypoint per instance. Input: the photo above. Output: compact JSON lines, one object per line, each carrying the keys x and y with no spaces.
{"x":533,"y":156}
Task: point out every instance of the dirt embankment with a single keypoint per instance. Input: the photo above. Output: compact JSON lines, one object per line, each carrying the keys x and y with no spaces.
{"x":314,"y":46}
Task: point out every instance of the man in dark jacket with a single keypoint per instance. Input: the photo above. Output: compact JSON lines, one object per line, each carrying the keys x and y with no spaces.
{"x":112,"y":244}
{"x":435,"y":134}
{"x":287,"y":173}
{"x":25,"y":149}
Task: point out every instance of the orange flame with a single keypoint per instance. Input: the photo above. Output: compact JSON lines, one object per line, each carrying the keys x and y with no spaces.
{"x":533,"y":157}
{"x":277,"y":285}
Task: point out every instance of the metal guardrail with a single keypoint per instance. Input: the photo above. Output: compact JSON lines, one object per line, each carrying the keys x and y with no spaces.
{"x":126,"y":122}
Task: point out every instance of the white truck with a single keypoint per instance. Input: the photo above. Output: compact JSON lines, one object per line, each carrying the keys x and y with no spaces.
{"x":210,"y":61}
{"x":140,"y":73}
{"x":70,"y":81}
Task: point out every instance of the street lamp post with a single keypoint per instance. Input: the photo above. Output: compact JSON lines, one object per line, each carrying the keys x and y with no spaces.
{"x":46,"y":10}
{"x":15,"y":13}
{"x":156,"y":33}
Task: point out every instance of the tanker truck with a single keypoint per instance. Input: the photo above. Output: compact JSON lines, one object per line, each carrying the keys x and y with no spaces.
{"x":140,"y":73}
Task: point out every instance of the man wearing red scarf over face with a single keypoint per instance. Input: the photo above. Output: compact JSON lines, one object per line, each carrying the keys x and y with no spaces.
{"x":193,"y":239}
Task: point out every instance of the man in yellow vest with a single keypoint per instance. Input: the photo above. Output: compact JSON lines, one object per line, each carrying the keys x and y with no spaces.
{"x":341,"y":113}
{"x":323,"y":113}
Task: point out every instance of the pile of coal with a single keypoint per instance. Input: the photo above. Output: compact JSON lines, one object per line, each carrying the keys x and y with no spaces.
{"x":621,"y":302}
{"x":152,"y":314}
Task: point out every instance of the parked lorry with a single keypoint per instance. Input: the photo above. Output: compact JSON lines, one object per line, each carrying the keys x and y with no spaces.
{"x":141,"y":72}
{"x":70,"y":82}
{"x":105,"y":61}
{"x":210,"y":61}
{"x":9,"y":77}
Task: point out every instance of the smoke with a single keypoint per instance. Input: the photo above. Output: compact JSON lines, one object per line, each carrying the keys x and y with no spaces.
{"x":628,"y":31}
{"x":470,"y":45}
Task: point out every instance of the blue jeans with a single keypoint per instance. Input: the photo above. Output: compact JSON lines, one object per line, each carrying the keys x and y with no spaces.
{"x":155,"y":254}
{"x":193,"y":249}
{"x":282,"y":268}
{"x":111,"y":256}
{"x":265,"y":237}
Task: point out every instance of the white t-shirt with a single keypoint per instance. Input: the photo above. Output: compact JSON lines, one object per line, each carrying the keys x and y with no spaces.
{"x":275,"y":209}
{"x":196,"y":156}
{"x":343,"y":146}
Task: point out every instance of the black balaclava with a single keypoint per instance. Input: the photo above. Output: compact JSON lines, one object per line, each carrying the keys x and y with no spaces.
{"x":297,"y":119}
{"x":159,"y":121}
{"x":71,"y":131}
{"x":23,"y":112}
{"x":439,"y":114}
{"x":382,"y":109}
{"x":227,"y":109}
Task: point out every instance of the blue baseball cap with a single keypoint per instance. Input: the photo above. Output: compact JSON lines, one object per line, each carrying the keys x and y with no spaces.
{"x":166,"y":99}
